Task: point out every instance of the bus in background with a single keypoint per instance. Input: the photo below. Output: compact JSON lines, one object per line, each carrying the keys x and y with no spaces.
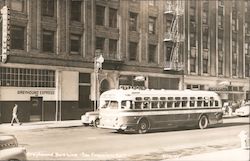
{"x":143,"y":110}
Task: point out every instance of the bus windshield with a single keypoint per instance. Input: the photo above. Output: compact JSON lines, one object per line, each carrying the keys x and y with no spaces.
{"x":110,"y":104}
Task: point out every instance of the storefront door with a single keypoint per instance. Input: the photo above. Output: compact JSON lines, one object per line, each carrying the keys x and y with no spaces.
{"x":36,"y":109}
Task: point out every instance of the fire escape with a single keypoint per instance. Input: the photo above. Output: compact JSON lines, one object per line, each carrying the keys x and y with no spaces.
{"x":174,"y":36}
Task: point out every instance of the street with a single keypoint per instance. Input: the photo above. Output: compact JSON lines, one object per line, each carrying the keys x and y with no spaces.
{"x":93,"y":143}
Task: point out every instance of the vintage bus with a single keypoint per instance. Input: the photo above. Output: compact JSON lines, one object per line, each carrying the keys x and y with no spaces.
{"x":143,"y":110}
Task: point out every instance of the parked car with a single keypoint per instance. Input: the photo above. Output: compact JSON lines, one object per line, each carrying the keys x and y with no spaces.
{"x":9,"y":149}
{"x":244,"y":110}
{"x":90,"y":118}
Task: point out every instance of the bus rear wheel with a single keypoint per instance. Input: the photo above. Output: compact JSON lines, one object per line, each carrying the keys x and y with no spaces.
{"x":203,"y":122}
{"x":143,"y":127}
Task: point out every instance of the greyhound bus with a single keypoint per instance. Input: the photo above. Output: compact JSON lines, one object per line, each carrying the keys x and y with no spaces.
{"x":143,"y":110}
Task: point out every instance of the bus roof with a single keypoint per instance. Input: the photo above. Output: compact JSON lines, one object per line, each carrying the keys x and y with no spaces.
{"x":121,"y":93}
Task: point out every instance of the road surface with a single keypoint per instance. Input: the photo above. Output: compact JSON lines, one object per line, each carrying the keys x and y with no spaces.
{"x":87,"y":143}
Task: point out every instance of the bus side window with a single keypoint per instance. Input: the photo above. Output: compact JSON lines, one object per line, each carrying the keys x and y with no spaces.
{"x":199,"y":102}
{"x":192,"y":102}
{"x":154,"y":102}
{"x":146,"y":103}
{"x":211,"y":101}
{"x":216,"y":103}
{"x":170,"y":102}
{"x":138,"y":105}
{"x":206,"y":101}
{"x":162,"y":102}
{"x":177,"y":102}
{"x":184,"y":102}
{"x":126,"y":104}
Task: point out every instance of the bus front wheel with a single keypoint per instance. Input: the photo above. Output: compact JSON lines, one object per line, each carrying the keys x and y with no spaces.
{"x":203,"y":122}
{"x":142,"y":126}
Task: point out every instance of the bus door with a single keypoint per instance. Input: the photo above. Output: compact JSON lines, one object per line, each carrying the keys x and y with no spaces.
{"x":36,"y":111}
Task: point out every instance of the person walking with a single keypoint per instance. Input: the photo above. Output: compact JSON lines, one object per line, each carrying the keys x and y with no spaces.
{"x":14,"y":115}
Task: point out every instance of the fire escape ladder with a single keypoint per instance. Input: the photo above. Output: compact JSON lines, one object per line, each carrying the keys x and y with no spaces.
{"x":174,"y":36}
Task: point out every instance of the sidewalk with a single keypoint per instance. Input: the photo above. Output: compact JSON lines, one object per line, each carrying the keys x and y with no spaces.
{"x":5,"y":127}
{"x":223,"y":155}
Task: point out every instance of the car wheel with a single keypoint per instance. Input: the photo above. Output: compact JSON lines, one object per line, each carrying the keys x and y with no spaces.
{"x":143,"y":126}
{"x":96,"y":122}
{"x":85,"y":124}
{"x":203,"y":122}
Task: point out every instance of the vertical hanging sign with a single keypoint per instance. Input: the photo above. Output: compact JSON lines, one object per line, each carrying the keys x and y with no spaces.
{"x":5,"y":13}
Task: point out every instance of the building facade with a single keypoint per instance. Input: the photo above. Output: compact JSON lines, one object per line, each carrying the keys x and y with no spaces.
{"x":49,"y":71}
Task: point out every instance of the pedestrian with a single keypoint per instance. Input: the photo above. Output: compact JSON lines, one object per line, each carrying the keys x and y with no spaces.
{"x":14,"y":115}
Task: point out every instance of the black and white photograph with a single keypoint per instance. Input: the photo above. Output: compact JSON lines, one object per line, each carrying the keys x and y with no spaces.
{"x":125,"y":80}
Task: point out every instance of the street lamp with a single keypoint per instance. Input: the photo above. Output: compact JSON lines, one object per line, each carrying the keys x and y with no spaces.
{"x":97,"y":66}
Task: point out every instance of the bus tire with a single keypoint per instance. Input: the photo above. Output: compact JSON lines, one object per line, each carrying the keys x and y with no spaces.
{"x":142,"y":126}
{"x":96,"y":122}
{"x":203,"y":122}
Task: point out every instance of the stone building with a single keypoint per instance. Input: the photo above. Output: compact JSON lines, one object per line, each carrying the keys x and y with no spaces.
{"x":49,"y":71}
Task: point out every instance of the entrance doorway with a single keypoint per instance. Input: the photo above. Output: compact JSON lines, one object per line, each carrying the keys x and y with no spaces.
{"x":36,"y":109}
{"x":104,"y":86}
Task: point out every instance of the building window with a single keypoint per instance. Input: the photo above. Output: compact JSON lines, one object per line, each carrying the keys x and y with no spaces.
{"x":220,"y":21}
{"x":75,"y":44}
{"x":48,"y":8}
{"x":247,"y":70}
{"x":76,"y":10}
{"x":220,"y":63}
{"x":192,"y":27}
{"x":193,"y":61}
{"x":220,"y":44}
{"x":246,"y":6}
{"x":112,"y":18}
{"x":152,"y":53}
{"x":247,"y":27}
{"x":205,"y":65}
{"x":205,"y":17}
{"x":112,"y":48}
{"x":48,"y":41}
{"x":21,"y":77}
{"x":247,"y":48}
{"x":234,"y":24}
{"x":133,"y":21}
{"x":192,"y":40}
{"x":100,"y":43}
{"x":205,"y":38}
{"x":132,"y":51}
{"x":152,"y":3}
{"x":192,"y":14}
{"x":234,"y":69}
{"x":100,"y":15}
{"x":221,"y":2}
{"x":152,"y":25}
{"x":17,"y":37}
{"x":234,"y":47}
{"x":17,"y":5}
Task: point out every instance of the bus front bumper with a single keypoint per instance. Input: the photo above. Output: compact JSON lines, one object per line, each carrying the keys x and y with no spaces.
{"x":128,"y":127}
